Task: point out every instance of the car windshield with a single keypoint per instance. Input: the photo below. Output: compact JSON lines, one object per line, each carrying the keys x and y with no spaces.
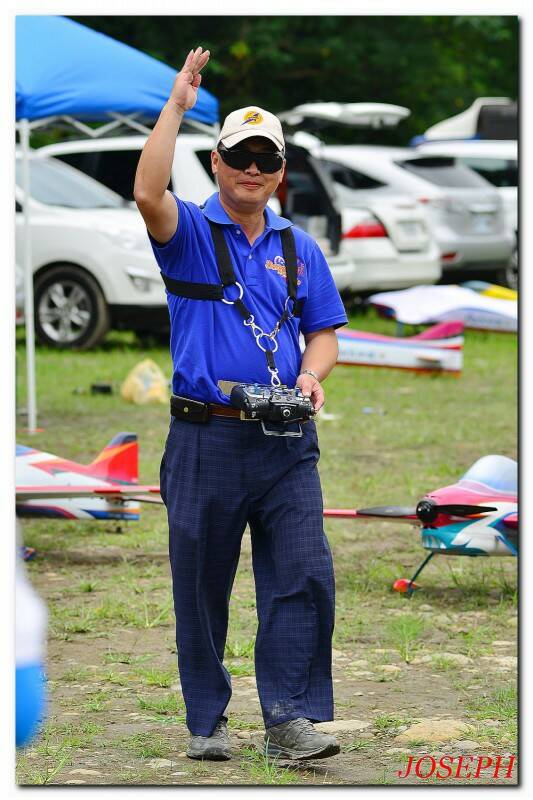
{"x":56,"y":184}
{"x":443,"y":171}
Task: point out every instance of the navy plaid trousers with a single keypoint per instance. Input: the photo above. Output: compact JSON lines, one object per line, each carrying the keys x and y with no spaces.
{"x":215,"y":478}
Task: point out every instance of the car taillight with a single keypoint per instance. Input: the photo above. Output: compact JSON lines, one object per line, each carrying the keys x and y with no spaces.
{"x":447,"y":258}
{"x":369,"y":229}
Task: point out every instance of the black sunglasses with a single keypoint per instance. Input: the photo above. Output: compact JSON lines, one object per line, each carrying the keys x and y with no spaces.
{"x":242,"y":159}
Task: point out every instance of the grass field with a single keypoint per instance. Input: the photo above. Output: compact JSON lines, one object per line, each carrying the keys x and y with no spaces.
{"x":116,"y":712}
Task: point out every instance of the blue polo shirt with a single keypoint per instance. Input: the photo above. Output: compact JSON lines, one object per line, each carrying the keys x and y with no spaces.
{"x":208,"y":339}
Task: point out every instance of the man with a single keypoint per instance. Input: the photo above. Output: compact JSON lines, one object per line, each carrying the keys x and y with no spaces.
{"x":220,"y":472}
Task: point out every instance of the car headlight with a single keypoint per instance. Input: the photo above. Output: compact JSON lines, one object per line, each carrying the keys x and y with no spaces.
{"x":141,"y":278}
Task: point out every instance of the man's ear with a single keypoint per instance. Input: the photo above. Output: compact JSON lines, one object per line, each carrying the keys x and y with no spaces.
{"x":282,"y":172}
{"x":214,"y":161}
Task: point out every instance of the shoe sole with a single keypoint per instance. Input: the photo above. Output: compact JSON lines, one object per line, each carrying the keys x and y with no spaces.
{"x":272,"y":749}
{"x":211,"y":755}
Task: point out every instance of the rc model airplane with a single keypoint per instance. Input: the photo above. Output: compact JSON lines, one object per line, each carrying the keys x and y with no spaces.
{"x":108,"y":488}
{"x":477,"y":516}
{"x":437,"y":349}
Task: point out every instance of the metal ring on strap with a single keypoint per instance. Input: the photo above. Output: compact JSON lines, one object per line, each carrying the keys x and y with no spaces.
{"x":268,"y":336}
{"x":241,"y":292}
{"x":290,"y":313}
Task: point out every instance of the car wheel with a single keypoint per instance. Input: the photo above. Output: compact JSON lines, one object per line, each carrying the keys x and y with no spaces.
{"x":70,"y":309}
{"x":508,"y":276}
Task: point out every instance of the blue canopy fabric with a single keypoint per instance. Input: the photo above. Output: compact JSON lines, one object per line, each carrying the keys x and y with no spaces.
{"x":63,"y":67}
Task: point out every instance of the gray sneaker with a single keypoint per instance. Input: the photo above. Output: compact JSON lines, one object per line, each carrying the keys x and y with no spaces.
{"x":298,"y":738}
{"x":211,"y":748}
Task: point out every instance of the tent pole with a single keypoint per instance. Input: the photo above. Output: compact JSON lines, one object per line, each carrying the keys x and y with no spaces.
{"x":28,"y":280}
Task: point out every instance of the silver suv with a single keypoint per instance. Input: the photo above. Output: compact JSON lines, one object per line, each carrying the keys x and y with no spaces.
{"x":465,"y":212}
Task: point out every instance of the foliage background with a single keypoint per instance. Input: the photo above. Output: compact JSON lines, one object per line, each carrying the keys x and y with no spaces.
{"x":435,"y":65}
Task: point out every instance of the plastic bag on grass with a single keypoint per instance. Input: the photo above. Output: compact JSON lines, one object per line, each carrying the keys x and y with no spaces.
{"x":145,"y":383}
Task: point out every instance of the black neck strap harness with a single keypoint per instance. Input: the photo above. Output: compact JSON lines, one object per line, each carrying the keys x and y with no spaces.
{"x":215,"y":291}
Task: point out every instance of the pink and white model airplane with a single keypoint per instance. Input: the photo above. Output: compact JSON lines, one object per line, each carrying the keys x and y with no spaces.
{"x":107,"y":488}
{"x":476,"y":516}
{"x":437,"y":349}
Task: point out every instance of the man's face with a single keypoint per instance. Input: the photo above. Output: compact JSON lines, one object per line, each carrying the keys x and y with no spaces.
{"x":249,"y":188}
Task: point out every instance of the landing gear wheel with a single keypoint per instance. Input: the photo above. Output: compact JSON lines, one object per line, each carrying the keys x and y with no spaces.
{"x":70,"y":309}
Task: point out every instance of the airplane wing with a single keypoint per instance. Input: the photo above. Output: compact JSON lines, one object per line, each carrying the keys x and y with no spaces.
{"x":146,"y":494}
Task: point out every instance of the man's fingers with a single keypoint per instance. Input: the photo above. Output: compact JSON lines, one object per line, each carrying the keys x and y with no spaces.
{"x":197,"y":57}
{"x":195,"y":61}
{"x":200,"y":59}
{"x":318,"y":399}
{"x":306,"y":384}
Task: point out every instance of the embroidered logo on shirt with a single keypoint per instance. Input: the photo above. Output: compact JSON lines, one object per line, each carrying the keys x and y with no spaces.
{"x":278,"y":265}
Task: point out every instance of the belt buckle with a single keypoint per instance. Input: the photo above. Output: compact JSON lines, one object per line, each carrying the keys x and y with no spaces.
{"x":247,"y":419}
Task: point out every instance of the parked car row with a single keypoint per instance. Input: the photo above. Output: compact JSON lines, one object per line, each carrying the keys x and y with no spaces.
{"x":358,"y":261}
{"x":385,"y":218}
{"x":473,"y":224}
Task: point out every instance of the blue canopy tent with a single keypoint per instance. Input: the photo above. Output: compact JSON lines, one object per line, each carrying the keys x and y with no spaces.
{"x":63,"y":67}
{"x":67,"y":72}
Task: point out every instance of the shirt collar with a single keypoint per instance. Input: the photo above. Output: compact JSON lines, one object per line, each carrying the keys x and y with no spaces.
{"x":213,"y":210}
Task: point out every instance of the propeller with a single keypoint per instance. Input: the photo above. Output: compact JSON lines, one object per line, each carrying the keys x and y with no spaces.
{"x":426,"y":511}
{"x":388,"y":512}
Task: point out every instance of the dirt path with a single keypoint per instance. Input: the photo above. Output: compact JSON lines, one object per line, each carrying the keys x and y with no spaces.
{"x":117,"y":715}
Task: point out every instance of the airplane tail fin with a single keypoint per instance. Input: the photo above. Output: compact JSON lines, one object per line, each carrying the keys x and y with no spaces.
{"x":443,"y":330}
{"x":119,"y":460}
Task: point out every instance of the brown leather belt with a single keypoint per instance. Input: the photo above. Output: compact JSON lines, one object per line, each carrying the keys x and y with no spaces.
{"x":224,"y":411}
{"x":198,"y":411}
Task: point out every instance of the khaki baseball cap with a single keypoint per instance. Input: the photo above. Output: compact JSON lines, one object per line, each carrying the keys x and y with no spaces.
{"x":251,"y":121}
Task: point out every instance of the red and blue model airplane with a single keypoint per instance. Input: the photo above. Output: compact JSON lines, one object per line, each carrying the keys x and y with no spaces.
{"x":107,"y":488}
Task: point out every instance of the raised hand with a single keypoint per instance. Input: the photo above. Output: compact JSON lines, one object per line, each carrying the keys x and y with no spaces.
{"x":185,"y":89}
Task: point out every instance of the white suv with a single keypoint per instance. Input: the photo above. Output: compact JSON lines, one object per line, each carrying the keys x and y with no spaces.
{"x":92,"y":262}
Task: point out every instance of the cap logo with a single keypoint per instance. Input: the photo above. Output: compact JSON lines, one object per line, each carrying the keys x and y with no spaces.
{"x":252,"y":118}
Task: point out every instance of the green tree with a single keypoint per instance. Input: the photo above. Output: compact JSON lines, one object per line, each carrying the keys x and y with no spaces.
{"x":434,"y":65}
